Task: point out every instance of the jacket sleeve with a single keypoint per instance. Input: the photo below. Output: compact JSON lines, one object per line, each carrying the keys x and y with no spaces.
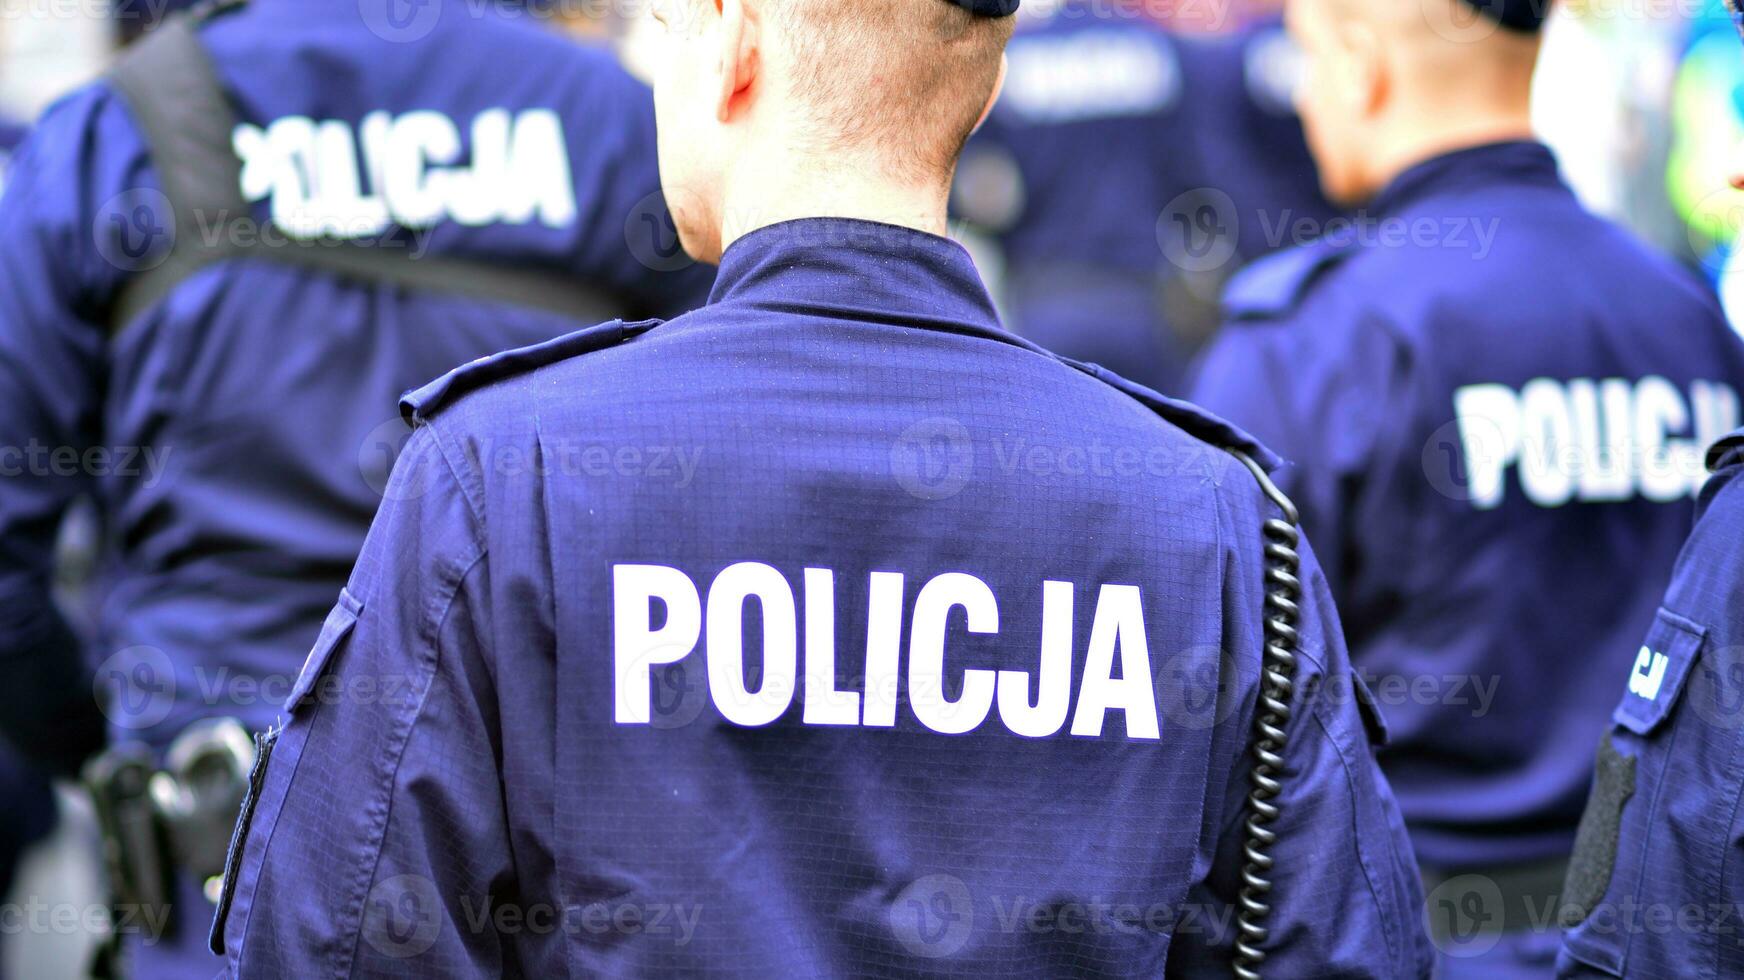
{"x":58,"y":274}
{"x":1346,"y":898}
{"x":378,"y":845}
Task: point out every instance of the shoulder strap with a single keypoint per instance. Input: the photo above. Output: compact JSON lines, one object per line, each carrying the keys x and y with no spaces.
{"x":421,"y":404}
{"x":169,"y":83}
{"x":1189,"y":418}
{"x":174,"y":95}
{"x":1274,"y":285}
{"x":1726,"y":453}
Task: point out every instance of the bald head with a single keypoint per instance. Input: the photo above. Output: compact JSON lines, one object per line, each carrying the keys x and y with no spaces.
{"x":776,"y":109}
{"x":904,"y":81}
{"x":1391,"y":82}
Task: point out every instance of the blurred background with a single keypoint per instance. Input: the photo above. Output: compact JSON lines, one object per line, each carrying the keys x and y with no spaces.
{"x":1145,"y":151}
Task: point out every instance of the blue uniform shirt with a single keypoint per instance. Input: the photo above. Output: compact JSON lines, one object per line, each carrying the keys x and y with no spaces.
{"x":1496,"y":406}
{"x":1655,"y":875}
{"x":239,"y":433}
{"x":1124,"y":173}
{"x":827,"y":630}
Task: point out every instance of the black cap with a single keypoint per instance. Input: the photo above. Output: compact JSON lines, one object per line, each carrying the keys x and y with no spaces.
{"x":1524,"y":16}
{"x":988,"y":8}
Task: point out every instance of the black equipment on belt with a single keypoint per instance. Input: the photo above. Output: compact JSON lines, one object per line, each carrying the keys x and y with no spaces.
{"x":170,"y":85}
{"x":1271,"y":720}
{"x":155,"y":822}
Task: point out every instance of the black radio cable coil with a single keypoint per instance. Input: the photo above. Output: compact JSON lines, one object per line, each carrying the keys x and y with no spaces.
{"x":1283,"y":612}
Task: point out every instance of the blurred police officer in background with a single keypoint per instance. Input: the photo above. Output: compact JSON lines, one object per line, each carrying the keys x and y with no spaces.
{"x":1497,"y":407}
{"x":223,"y":264}
{"x":27,"y":805}
{"x":813,"y":682}
{"x":1651,"y":889}
{"x":1122,"y":176}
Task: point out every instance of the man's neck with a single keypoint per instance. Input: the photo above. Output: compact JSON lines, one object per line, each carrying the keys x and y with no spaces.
{"x":1416,"y":142}
{"x":783,"y":186}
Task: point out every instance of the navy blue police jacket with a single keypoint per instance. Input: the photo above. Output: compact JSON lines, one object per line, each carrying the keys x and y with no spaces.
{"x":1654,"y":891}
{"x":1125,"y":173}
{"x":1496,"y":407}
{"x":829,"y":630}
{"x":238,"y":433}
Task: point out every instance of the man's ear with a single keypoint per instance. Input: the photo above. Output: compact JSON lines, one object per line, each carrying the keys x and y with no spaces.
{"x":739,"y":54}
{"x":993,"y":98}
{"x":1368,"y":70}
{"x":1357,"y":58}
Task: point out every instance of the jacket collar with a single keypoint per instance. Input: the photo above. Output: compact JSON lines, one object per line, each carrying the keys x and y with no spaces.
{"x":1511,"y":163}
{"x":860,"y":270}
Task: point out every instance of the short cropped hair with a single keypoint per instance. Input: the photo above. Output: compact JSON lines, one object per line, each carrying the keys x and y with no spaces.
{"x":907,"y":78}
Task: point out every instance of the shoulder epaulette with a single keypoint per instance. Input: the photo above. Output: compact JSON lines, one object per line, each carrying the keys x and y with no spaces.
{"x":1274,"y":285}
{"x":1187,"y":417}
{"x":421,"y":404}
{"x":1727,"y":452}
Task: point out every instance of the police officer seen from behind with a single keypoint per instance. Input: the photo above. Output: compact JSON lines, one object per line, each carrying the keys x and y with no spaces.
{"x":1496,"y":406}
{"x":222,"y":266}
{"x":839,"y":693}
{"x":1653,"y":890}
